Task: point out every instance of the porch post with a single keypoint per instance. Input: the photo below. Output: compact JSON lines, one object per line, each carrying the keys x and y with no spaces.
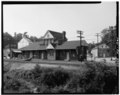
{"x":42,"y":55}
{"x":54,"y":54}
{"x":68,"y":56}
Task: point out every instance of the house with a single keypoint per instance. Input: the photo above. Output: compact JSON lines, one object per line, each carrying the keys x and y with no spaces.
{"x":7,"y":51}
{"x":25,"y":41}
{"x":101,"y":51}
{"x":12,"y":50}
{"x":53,"y":46}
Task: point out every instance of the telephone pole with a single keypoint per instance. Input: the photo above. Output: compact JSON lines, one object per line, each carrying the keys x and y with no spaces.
{"x":97,"y":37}
{"x":97,"y":34}
{"x":80,"y":51}
{"x":81,"y":33}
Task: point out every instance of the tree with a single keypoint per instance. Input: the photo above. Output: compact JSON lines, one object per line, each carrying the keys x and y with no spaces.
{"x":18,"y":37}
{"x":90,"y":47}
{"x":33,"y":38}
{"x":7,"y":39}
{"x":109,"y":37}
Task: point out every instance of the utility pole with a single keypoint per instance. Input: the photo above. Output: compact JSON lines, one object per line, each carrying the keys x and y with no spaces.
{"x":10,"y":48}
{"x":80,"y":54}
{"x":111,"y":42}
{"x":97,"y":34}
{"x":80,"y":32}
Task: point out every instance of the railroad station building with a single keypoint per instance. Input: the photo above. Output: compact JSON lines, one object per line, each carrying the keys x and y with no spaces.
{"x":52,"y":46}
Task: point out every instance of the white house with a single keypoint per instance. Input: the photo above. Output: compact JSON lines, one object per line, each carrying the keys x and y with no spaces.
{"x":100,"y":51}
{"x":24,"y":42}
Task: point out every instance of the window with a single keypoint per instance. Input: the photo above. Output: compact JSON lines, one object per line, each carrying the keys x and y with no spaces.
{"x":51,"y":52}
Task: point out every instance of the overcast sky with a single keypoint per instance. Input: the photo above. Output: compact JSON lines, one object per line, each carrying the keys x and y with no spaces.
{"x":37,"y":19}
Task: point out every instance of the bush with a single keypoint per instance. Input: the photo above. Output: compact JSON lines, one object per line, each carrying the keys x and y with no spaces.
{"x":37,"y":71}
{"x":43,"y":89}
{"x":13,"y":84}
{"x":55,"y":78}
{"x":105,"y":78}
{"x":59,"y":89}
{"x":7,"y":67}
{"x":99,"y":78}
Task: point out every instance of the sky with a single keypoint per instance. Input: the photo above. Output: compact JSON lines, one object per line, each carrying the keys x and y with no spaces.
{"x":37,"y":19}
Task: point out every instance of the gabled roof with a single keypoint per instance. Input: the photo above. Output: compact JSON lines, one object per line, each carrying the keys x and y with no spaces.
{"x":50,"y":46}
{"x":34,"y":46}
{"x":101,"y":46}
{"x":71,"y":44}
{"x":56,"y":35}
{"x":28,"y":39}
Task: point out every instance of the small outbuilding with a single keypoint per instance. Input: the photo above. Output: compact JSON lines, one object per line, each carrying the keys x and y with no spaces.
{"x":101,"y":51}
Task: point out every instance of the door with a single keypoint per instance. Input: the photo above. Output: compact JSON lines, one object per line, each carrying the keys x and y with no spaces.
{"x":45,"y":54}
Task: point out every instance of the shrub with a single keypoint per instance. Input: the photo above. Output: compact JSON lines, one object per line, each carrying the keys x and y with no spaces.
{"x":111,"y":81}
{"x":55,"y":78}
{"x":105,"y":78}
{"x":7,"y":67}
{"x":36,"y":71}
{"x":59,"y":89}
{"x":43,"y":89}
{"x":12,"y":84}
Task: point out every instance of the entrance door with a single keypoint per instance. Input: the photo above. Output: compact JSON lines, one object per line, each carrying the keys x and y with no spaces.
{"x":61,"y":55}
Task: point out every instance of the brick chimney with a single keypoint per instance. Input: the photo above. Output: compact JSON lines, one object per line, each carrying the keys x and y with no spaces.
{"x":64,"y":35}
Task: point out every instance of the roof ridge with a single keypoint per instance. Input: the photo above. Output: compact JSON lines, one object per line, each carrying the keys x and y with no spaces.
{"x":54,"y":31}
{"x":28,"y":39}
{"x":75,"y":40}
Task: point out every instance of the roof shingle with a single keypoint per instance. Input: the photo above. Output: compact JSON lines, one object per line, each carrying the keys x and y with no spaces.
{"x":34,"y":46}
{"x":65,"y":45}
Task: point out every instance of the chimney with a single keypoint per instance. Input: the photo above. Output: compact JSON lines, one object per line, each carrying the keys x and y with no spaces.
{"x":64,"y":35}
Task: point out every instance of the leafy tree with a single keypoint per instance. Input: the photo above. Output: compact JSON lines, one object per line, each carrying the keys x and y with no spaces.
{"x":33,"y":38}
{"x":109,"y":37}
{"x":18,"y":37}
{"x":90,"y":46}
{"x":7,"y":39}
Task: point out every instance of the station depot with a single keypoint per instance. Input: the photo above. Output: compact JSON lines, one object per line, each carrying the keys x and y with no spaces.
{"x":52,"y":46}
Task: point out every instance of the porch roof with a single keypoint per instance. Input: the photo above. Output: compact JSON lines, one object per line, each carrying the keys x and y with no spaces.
{"x":71,"y":44}
{"x":16,"y":50}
